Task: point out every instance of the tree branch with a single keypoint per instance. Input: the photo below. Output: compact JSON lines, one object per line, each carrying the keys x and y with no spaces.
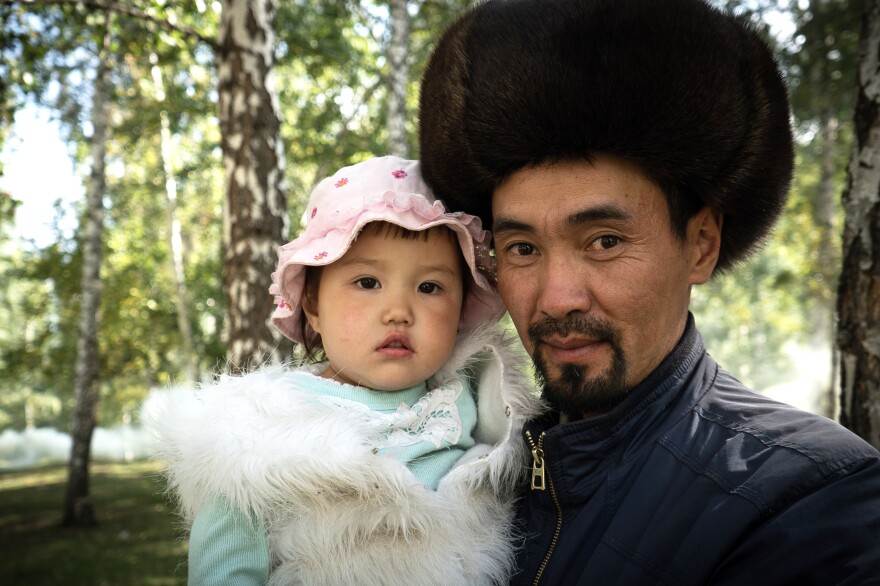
{"x":126,"y":10}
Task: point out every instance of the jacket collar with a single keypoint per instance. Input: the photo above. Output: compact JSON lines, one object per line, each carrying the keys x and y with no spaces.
{"x":578,"y":452}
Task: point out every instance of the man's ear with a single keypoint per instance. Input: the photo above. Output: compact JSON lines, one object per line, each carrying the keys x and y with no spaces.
{"x":704,"y":241}
{"x":310,"y":310}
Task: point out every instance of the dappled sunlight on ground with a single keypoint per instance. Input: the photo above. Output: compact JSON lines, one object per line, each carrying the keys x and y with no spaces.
{"x":137,"y":541}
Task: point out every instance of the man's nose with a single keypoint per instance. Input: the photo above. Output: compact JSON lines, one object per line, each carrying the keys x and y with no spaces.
{"x":564,"y":288}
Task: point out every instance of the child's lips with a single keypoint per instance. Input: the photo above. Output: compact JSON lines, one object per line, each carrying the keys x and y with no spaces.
{"x":395,"y":345}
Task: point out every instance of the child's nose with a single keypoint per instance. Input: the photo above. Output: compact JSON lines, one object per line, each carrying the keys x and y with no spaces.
{"x":398,"y":310}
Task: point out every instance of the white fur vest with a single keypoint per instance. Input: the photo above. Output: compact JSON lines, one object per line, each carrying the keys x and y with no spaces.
{"x":336,"y":513}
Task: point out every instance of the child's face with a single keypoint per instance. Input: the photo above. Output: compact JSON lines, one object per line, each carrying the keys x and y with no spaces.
{"x":388,"y":310}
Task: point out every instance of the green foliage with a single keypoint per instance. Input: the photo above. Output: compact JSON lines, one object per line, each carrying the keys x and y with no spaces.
{"x":332,"y":80}
{"x":821,"y":60}
{"x":39,"y":334}
{"x":139,"y":339}
{"x":781,"y":295}
{"x":786,"y":293}
{"x":748,"y":315}
{"x":8,"y":206}
{"x":328,"y":80}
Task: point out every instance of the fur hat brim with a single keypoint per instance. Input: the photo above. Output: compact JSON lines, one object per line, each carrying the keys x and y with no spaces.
{"x":690,"y":94}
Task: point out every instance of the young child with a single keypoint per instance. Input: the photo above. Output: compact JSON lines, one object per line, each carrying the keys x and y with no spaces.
{"x":393,"y":459}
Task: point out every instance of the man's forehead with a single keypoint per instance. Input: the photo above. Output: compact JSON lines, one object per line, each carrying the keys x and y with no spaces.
{"x":559,"y":201}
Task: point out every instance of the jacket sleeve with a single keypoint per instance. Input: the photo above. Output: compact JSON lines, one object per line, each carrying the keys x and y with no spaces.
{"x":226,"y":547}
{"x":829,"y":536}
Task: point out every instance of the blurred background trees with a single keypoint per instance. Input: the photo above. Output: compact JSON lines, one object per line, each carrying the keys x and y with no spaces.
{"x":342,"y":82}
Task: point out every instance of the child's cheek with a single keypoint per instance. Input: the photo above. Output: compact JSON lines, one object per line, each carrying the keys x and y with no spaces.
{"x":445,"y":313}
{"x":353,"y":322}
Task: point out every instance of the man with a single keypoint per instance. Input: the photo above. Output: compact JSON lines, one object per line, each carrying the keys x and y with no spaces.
{"x":624,"y":151}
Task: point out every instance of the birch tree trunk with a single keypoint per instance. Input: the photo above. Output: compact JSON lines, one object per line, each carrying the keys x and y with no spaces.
{"x":253,"y":155}
{"x":859,"y":289}
{"x":826,"y":205}
{"x":188,"y":358}
{"x":829,"y":253}
{"x":78,"y":507}
{"x":398,"y":76}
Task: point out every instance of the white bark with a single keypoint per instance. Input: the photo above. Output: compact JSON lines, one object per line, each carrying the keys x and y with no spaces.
{"x":398,"y":77}
{"x":78,"y":508}
{"x":255,"y":205}
{"x":859,"y":292}
{"x":175,"y":241}
{"x":829,"y":254}
{"x":864,"y":169}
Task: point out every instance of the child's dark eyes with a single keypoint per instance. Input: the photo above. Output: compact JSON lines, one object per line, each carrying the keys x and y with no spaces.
{"x":373,"y":283}
{"x":429,"y":288}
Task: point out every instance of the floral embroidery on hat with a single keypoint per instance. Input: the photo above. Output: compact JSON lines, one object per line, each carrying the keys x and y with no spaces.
{"x":321,"y":255}
{"x":314,"y":211}
{"x":399,"y":174}
{"x":283,"y":304}
{"x":342,"y":182}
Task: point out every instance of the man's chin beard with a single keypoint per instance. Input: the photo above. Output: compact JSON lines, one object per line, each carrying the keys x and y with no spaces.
{"x":577,"y":392}
{"x":573,"y":389}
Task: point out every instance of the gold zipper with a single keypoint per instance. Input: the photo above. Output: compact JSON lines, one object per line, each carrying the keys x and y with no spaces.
{"x":537,"y":461}
{"x":540,"y":479}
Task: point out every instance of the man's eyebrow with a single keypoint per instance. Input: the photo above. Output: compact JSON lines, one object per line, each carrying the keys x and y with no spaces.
{"x":509,"y":225}
{"x":608,"y":211}
{"x":598,"y":213}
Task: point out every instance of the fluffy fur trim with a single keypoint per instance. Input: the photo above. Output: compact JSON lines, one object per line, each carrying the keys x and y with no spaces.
{"x":689,"y":93}
{"x":335,"y":512}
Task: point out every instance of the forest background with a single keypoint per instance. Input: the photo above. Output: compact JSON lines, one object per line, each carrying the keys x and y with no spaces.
{"x":199,"y":128}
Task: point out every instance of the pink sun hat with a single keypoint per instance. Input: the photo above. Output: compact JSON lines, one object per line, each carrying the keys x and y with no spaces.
{"x":384,"y":189}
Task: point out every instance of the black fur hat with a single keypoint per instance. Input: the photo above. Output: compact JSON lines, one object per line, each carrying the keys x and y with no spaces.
{"x":689,"y":93}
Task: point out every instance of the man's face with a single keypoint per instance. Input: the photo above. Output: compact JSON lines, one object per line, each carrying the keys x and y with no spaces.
{"x":595,"y":280}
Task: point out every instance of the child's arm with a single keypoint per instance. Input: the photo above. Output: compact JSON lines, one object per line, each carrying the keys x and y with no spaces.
{"x":226,"y":547}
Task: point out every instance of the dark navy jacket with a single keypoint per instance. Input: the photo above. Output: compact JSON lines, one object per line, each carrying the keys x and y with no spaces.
{"x":694,"y":479}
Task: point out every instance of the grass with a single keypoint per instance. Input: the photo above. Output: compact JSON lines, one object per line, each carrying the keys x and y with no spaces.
{"x":136,"y":542}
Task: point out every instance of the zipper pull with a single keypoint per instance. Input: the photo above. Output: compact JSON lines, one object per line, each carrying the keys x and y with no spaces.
{"x":538,"y":469}
{"x":538,"y":479}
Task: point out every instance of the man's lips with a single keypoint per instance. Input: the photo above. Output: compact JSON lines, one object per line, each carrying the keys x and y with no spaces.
{"x":572,"y":348}
{"x":570,"y":342}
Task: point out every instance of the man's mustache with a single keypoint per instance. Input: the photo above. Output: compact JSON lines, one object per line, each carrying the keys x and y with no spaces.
{"x":586,"y":325}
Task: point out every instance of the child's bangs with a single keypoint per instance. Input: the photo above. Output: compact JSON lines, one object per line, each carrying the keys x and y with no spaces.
{"x":389,"y":230}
